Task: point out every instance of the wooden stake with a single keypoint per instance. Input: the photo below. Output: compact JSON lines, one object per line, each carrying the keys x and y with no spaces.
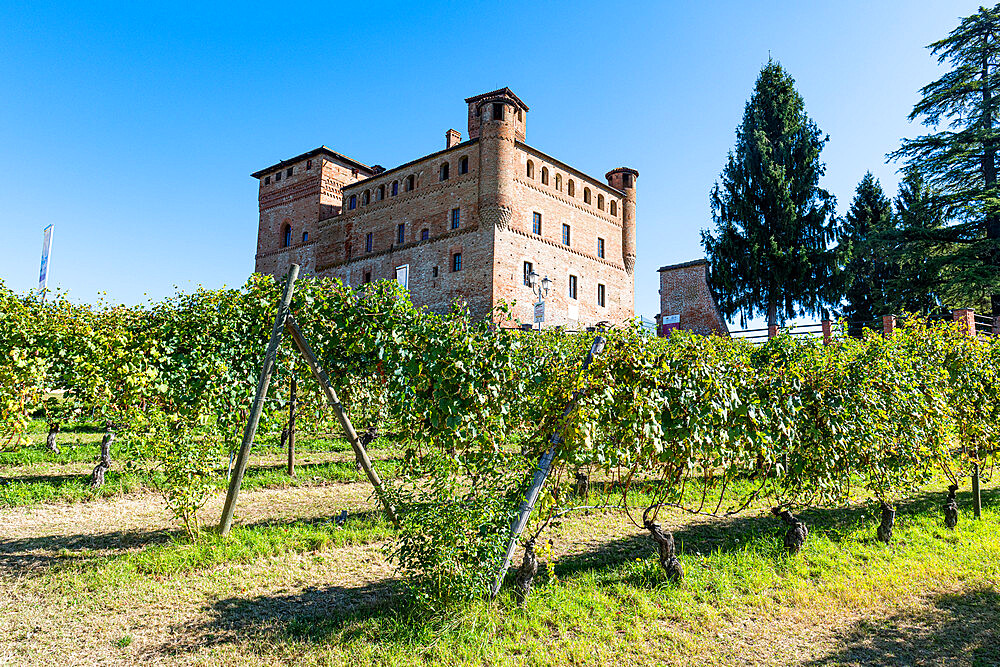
{"x":977,"y":501}
{"x":291,"y":428}
{"x":345,"y":422}
{"x":226,"y":522}
{"x":541,"y":473}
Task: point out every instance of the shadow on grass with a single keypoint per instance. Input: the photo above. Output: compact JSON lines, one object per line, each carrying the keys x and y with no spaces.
{"x":22,"y":556}
{"x":957,"y":629}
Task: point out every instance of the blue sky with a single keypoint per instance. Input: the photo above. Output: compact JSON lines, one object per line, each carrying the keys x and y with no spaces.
{"x":134,"y":128}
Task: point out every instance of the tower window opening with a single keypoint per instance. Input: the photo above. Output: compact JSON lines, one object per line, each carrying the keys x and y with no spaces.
{"x":536,"y":223}
{"x":443,"y":176}
{"x":434,"y":272}
{"x":410,"y":183}
{"x":305,"y":236}
{"x":425,"y":234}
{"x":600,"y":248}
{"x":531,"y":169}
{"x":456,"y":218}
{"x":277,"y":177}
{"x":456,"y":262}
{"x":559,"y":182}
{"x":381,"y":192}
{"x":570,"y":188}
{"x":368,"y":242}
{"x":545,"y":175}
{"x":565,"y":238}
{"x":290,"y":171}
{"x":600,"y":295}
{"x":366,"y":198}
{"x":600,"y":202}
{"x":267,"y":180}
{"x":497,"y":111}
{"x":395,"y":188}
{"x":614,"y":207}
{"x":528,"y":268}
{"x":368,"y":276}
{"x":309,"y":165}
{"x":286,"y":236}
{"x":626,"y":180}
{"x":586,"y":195}
{"x":572,"y":287}
{"x":401,"y":233}
{"x":463,"y":165}
{"x":352,"y":203}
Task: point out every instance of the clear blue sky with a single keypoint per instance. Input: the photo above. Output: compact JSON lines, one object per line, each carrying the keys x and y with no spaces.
{"x":134,"y":129}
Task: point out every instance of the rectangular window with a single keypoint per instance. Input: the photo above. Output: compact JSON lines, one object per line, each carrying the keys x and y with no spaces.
{"x":565,"y":234}
{"x":267,"y":180}
{"x":368,"y":242}
{"x":528,"y":268}
{"x":277,"y":177}
{"x":305,"y":236}
{"x":403,"y":276}
{"x":600,"y":248}
{"x":536,"y":223}
{"x":572,"y":287}
{"x":497,"y":111}
{"x":309,"y":165}
{"x":456,"y":217}
{"x":600,"y":295}
{"x":456,"y":262}
{"x":290,"y":169}
{"x":401,"y":233}
{"x":434,"y":272}
{"x":368,"y":276}
{"x":395,"y":188}
{"x":425,"y":234}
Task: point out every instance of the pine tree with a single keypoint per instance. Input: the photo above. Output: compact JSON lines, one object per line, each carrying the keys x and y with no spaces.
{"x":960,"y":157}
{"x":770,"y":252}
{"x":867,"y":265}
{"x":916,"y":248}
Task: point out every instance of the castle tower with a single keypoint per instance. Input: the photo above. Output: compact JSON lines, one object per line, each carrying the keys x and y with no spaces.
{"x":497,"y":119}
{"x":624,"y":179}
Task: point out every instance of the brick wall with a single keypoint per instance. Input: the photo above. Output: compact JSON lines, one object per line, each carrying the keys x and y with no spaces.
{"x":684,"y":291}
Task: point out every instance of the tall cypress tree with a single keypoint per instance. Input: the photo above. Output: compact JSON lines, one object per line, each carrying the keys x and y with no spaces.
{"x":960,"y":157}
{"x":868,"y":268}
{"x":770,"y":251}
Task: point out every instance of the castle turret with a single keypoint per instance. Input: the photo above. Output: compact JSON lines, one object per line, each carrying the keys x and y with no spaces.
{"x":624,"y":179}
{"x":497,"y":119}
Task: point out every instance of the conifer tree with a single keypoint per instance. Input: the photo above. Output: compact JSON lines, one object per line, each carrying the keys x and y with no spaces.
{"x":915,"y":246}
{"x":770,"y":251}
{"x":867,"y":263}
{"x":959,"y":157}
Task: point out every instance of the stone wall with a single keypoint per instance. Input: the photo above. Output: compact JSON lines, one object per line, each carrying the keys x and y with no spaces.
{"x":684,"y":291}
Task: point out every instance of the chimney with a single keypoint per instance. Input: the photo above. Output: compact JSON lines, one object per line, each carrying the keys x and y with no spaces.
{"x":452,"y":138}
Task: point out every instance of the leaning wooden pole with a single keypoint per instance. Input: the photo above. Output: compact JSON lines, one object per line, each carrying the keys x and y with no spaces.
{"x":331,"y":396}
{"x":541,"y":473}
{"x":226,"y":522}
{"x":292,"y":399}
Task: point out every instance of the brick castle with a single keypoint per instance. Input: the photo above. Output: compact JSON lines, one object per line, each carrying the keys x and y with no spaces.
{"x":467,"y":223}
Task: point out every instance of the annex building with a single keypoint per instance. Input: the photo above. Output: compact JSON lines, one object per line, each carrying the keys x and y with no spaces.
{"x":468,"y":223}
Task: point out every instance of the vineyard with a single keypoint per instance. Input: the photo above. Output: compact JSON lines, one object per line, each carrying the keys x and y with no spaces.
{"x":459,"y":413}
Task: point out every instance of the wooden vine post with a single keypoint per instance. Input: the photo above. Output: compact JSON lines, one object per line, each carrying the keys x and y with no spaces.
{"x":291,"y":426}
{"x":541,"y":473}
{"x":236,"y":479}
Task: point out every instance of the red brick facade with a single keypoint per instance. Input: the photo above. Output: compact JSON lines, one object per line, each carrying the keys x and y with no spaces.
{"x":684,"y":291}
{"x":478,"y":200}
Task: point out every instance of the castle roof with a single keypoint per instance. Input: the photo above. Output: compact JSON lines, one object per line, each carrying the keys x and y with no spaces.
{"x":313,"y":153}
{"x":502,"y":92}
{"x":682,"y":265}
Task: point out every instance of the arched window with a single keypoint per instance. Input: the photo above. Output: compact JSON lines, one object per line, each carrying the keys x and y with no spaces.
{"x":381,"y":192}
{"x":395,"y":188}
{"x":352,"y":203}
{"x":410,"y":183}
{"x":545,"y":175}
{"x":600,"y":202}
{"x":570,"y":188}
{"x":559,"y":182}
{"x":366,"y":198}
{"x":286,"y":235}
{"x":586,"y":195}
{"x":463,"y":165}
{"x":531,"y":169}
{"x":443,"y":174}
{"x":614,"y":207}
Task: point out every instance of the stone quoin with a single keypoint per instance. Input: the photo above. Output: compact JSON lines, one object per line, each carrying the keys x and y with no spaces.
{"x":463,"y":224}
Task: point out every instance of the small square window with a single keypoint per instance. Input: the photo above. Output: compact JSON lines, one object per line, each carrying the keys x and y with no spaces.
{"x":401,"y":233}
{"x":456,"y":262}
{"x":565,"y":234}
{"x":600,"y":248}
{"x":600,"y":295}
{"x":528,"y":268}
{"x":425,"y":234}
{"x":368,"y":242}
{"x":456,"y":218}
{"x":572,"y":287}
{"x":536,"y":223}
